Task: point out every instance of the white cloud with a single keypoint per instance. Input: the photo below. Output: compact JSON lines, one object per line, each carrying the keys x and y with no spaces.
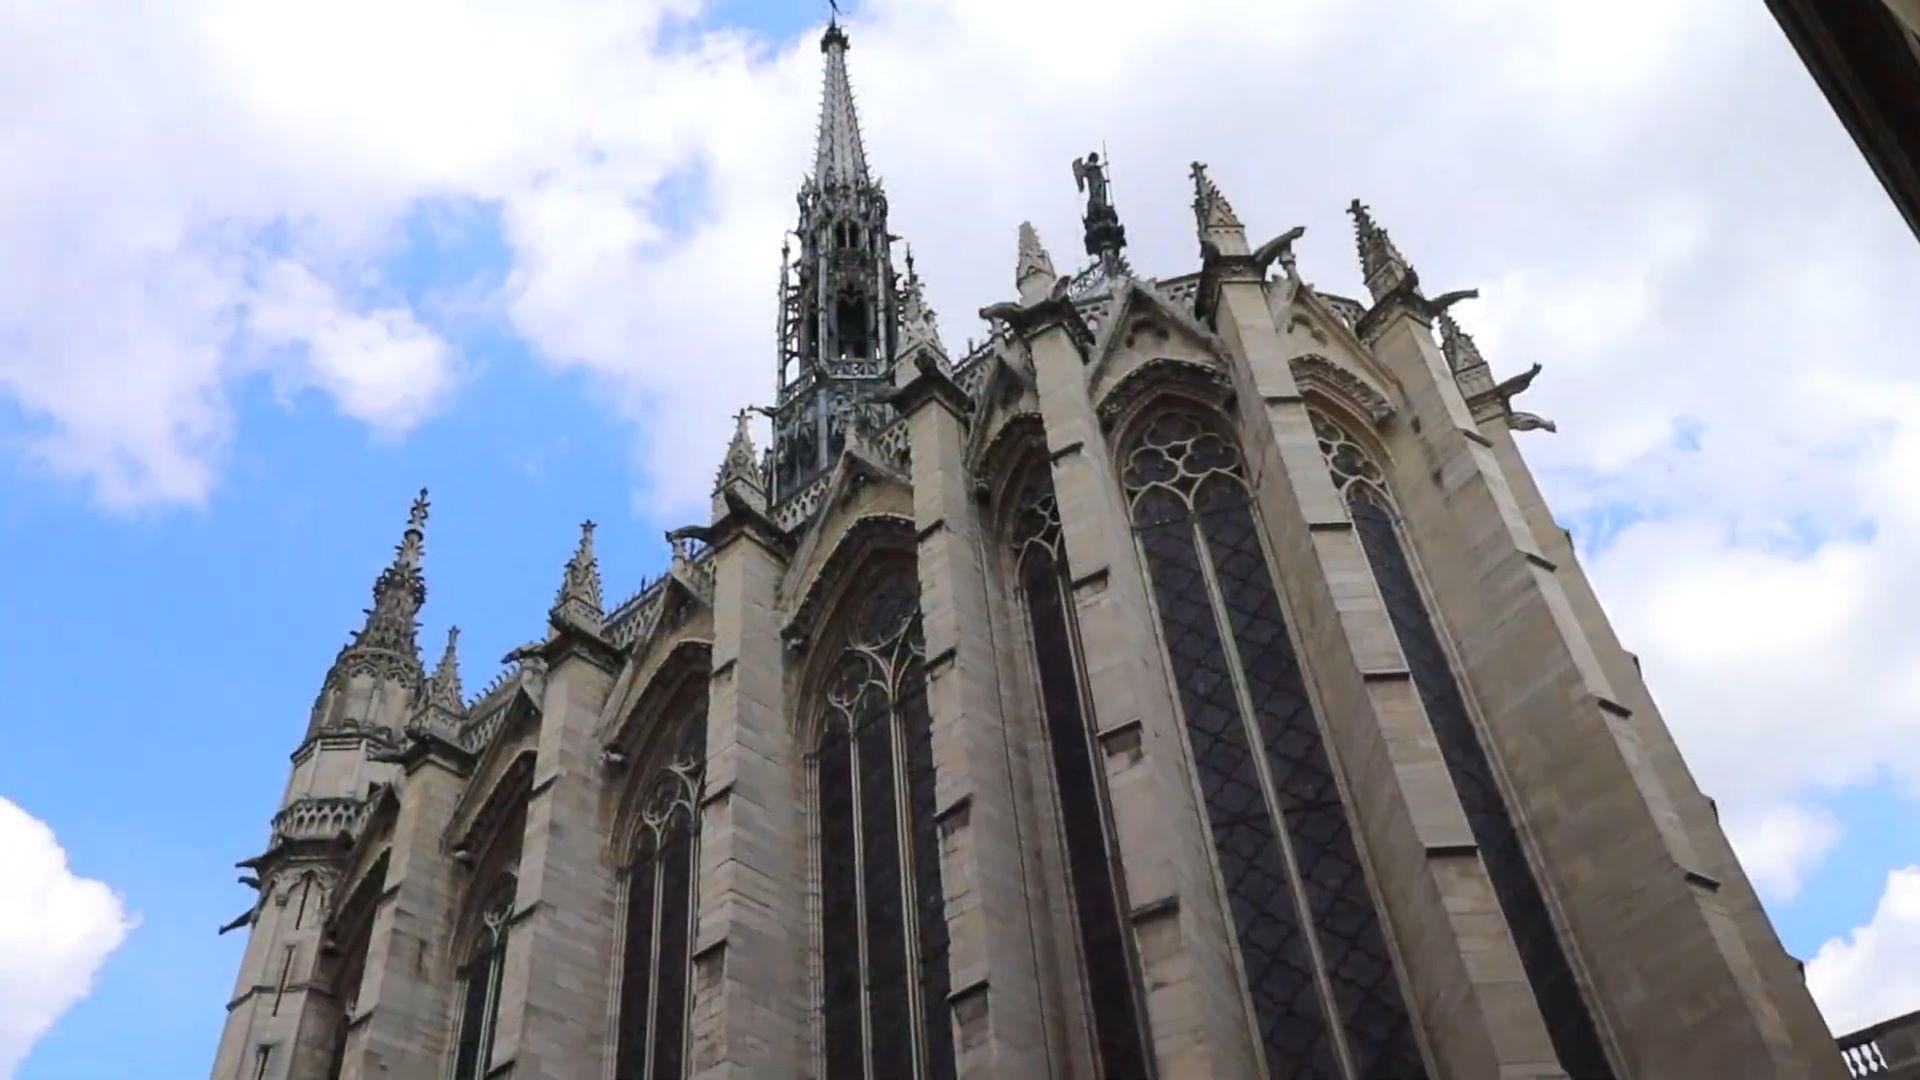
{"x":56,"y":930}
{"x":1779,"y":847}
{"x":1870,"y":975}
{"x":1612,"y":176}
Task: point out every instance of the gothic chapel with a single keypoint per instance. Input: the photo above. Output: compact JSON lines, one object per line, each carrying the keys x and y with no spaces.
{"x":1187,"y":682}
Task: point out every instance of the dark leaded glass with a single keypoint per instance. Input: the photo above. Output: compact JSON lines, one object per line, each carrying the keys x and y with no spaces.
{"x":630,"y":1052}
{"x":473,"y":1011}
{"x":1083,"y":816}
{"x":839,"y":910}
{"x":482,"y":974}
{"x":652,"y":1022}
{"x":1279,"y":969}
{"x":890,"y":1008}
{"x":929,"y":896}
{"x":670,"y":999}
{"x":1353,"y":948}
{"x":884,"y":961}
{"x":1569,"y":1023}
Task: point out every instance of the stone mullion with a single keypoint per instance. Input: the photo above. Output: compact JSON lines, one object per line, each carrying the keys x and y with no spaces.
{"x":1195,"y":1006}
{"x":553,"y":1014}
{"x":406,"y":994}
{"x":1783,"y":978}
{"x":995,"y":1001}
{"x":1439,"y":908}
{"x":750,"y":995}
{"x":1632,"y":883}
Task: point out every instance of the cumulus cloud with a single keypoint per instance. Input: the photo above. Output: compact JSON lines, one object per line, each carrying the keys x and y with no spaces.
{"x":1780,"y":846}
{"x":1869,"y":975}
{"x":213,"y":184}
{"x":56,"y":930}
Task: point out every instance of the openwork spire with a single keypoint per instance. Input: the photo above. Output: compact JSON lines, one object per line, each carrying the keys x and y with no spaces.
{"x":1382,"y":264}
{"x":399,"y":591}
{"x":579,"y":599}
{"x":838,"y":156}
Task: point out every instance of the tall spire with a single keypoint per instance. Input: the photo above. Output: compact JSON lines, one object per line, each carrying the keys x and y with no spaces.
{"x":1384,"y":268}
{"x":839,"y":322}
{"x":838,"y":155}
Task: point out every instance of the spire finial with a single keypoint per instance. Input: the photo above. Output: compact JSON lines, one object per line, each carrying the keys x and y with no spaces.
{"x":1033,"y":269}
{"x":443,"y":688}
{"x":742,"y":463}
{"x":1213,"y":216}
{"x":580,"y":596}
{"x":1384,"y":268}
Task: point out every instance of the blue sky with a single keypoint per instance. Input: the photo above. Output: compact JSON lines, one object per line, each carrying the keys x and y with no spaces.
{"x":596,"y":282}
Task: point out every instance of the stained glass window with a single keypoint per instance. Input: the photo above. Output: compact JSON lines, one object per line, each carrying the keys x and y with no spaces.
{"x":1569,"y":1023}
{"x":651,"y":1038}
{"x":1285,"y":848}
{"x":883,"y":932}
{"x":480,"y":982}
{"x":1092,"y":866}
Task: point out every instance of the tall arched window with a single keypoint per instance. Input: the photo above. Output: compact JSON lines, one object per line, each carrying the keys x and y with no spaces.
{"x":1040,"y":563}
{"x":480,"y":984}
{"x":1361,"y":482}
{"x":655,"y":953}
{"x":883,"y":930}
{"x":1295,"y":888}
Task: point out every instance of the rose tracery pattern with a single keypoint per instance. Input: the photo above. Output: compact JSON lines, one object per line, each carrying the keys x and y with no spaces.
{"x":1363,"y":485}
{"x":1275,"y":813}
{"x":654,"y":980}
{"x":1091,"y":853}
{"x":883,"y":929}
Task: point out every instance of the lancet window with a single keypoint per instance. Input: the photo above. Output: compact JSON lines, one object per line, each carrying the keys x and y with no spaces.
{"x":1311,"y":945}
{"x":655,"y":979}
{"x":1093,"y":879}
{"x":883,"y":929}
{"x":480,"y":978}
{"x":1362,"y":484}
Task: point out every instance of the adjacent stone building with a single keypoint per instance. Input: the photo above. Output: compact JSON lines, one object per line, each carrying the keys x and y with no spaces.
{"x":1189,"y":681}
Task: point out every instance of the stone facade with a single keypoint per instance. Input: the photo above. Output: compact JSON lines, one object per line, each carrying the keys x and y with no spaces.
{"x":1189,"y":681}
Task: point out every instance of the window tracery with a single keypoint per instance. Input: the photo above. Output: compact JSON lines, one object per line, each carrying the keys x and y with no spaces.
{"x":1098,"y":897}
{"x":480,"y":978}
{"x":1295,"y":888}
{"x":883,"y":928}
{"x":1362,"y":484}
{"x":659,"y":912}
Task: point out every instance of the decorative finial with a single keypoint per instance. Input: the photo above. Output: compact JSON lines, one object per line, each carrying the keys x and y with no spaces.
{"x":1214,"y":217}
{"x":444,"y":686}
{"x":742,"y":463}
{"x":580,"y":595}
{"x":1384,"y":268}
{"x":1033,"y":262}
{"x":919,"y":329}
{"x":1461,"y":352}
{"x":911,"y":277}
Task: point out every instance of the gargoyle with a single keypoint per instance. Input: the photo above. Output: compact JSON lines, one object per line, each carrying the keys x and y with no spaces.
{"x":1514,"y":387}
{"x":1444,"y":301}
{"x":1281,"y":248}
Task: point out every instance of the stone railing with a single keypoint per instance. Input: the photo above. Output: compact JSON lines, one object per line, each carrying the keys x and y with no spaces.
{"x":1889,"y":1050}
{"x":319,"y":818}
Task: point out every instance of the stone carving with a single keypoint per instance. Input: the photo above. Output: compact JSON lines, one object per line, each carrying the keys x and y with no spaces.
{"x":1313,"y":369}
